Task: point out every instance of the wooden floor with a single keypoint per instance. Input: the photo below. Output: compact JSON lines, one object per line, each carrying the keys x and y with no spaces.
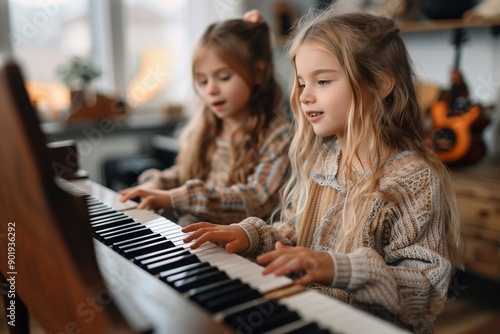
{"x":473,"y":308}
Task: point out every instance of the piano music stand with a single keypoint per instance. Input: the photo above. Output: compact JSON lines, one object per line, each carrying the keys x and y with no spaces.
{"x":44,"y":231}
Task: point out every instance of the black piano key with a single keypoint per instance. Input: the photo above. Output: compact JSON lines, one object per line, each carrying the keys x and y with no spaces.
{"x":234,"y":285}
{"x":199,"y":280}
{"x":278,"y":319}
{"x":127,"y":228}
{"x":193,"y":293}
{"x":109,"y":219}
{"x":93,"y":201}
{"x":118,"y":227}
{"x":110,"y":239}
{"x":301,"y":327}
{"x":132,"y":240}
{"x":107,"y":216}
{"x":146,"y":257}
{"x":100,"y":211}
{"x":124,"y":234}
{"x":167,"y":273}
{"x":165,"y":254}
{"x":143,"y":241}
{"x":112,"y":221}
{"x":188,"y":273}
{"x":262,"y":317}
{"x":98,"y":207}
{"x":145,"y":249}
{"x":158,"y":267}
{"x":223,"y":302}
{"x":309,"y":328}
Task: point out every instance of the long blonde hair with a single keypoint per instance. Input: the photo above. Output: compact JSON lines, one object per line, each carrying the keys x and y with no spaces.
{"x":246,"y":48}
{"x":367,"y":48}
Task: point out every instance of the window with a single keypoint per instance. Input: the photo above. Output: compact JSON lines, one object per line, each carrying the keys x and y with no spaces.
{"x":142,"y":47}
{"x":156,"y":48}
{"x":44,"y":35}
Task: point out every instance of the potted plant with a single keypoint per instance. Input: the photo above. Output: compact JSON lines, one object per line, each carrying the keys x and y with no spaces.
{"x":78,"y":75}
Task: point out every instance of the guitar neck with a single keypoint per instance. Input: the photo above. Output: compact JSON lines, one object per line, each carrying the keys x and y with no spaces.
{"x":458,"y":87}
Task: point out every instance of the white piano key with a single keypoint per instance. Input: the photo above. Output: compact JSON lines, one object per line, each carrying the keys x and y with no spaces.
{"x":107,"y":196}
{"x":331,"y":313}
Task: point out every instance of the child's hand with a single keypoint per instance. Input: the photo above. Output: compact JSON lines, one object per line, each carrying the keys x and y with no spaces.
{"x":126,"y":192}
{"x":152,"y":199}
{"x":284,"y":260}
{"x":233,"y":236}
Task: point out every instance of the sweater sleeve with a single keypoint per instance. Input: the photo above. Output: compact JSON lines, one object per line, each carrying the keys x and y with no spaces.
{"x":410,"y":278}
{"x":257,"y":197}
{"x":263,"y":236}
{"x":167,"y":179}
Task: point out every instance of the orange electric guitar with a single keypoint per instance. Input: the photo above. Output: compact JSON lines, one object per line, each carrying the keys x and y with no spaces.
{"x":457,"y":124}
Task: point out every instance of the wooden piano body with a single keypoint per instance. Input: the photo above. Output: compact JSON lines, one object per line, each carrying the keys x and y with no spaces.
{"x":72,"y":283}
{"x":45,"y":233}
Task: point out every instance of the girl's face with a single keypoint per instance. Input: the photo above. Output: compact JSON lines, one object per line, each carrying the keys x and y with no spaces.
{"x":325,"y":96}
{"x":223,"y":90}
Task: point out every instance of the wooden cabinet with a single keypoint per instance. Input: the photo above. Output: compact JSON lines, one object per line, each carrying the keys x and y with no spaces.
{"x":478,"y":197}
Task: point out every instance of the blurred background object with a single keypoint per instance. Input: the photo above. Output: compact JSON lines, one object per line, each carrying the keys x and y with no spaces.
{"x":446,"y":9}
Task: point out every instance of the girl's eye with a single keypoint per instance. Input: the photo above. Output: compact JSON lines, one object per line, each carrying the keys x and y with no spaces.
{"x":323,"y":82}
{"x":225,"y":77}
{"x":302,"y":86}
{"x":202,"y":82}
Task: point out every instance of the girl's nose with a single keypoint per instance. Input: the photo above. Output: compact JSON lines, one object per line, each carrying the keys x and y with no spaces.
{"x":212,"y":87}
{"x":305,"y":96}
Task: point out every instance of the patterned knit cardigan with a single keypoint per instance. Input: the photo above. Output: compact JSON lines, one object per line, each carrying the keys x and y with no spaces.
{"x":401,"y":271}
{"x":213,"y":201}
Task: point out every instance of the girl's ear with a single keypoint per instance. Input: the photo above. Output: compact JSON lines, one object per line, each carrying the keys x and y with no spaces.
{"x":260,"y":69}
{"x":385,"y":85}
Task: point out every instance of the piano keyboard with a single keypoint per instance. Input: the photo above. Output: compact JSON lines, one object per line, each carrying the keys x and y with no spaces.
{"x":227,"y":286}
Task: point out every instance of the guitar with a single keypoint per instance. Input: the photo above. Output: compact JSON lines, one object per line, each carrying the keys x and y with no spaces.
{"x":457,"y":123}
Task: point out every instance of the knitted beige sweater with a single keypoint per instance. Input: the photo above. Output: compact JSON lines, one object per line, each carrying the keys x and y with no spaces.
{"x":401,"y":273}
{"x":213,"y":201}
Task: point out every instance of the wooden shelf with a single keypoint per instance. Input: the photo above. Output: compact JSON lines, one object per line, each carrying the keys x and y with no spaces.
{"x":431,"y":25}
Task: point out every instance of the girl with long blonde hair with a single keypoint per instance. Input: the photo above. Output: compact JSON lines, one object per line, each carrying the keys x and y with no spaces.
{"x":233,"y":158}
{"x":368,"y":215}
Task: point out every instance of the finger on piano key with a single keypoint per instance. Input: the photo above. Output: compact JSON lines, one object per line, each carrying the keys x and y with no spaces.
{"x":234,"y":265}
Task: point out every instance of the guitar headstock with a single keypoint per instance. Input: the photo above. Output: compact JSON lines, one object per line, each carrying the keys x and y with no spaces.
{"x":458,"y":38}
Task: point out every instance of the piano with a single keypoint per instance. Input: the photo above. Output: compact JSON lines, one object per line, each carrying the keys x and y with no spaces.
{"x":80,"y":261}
